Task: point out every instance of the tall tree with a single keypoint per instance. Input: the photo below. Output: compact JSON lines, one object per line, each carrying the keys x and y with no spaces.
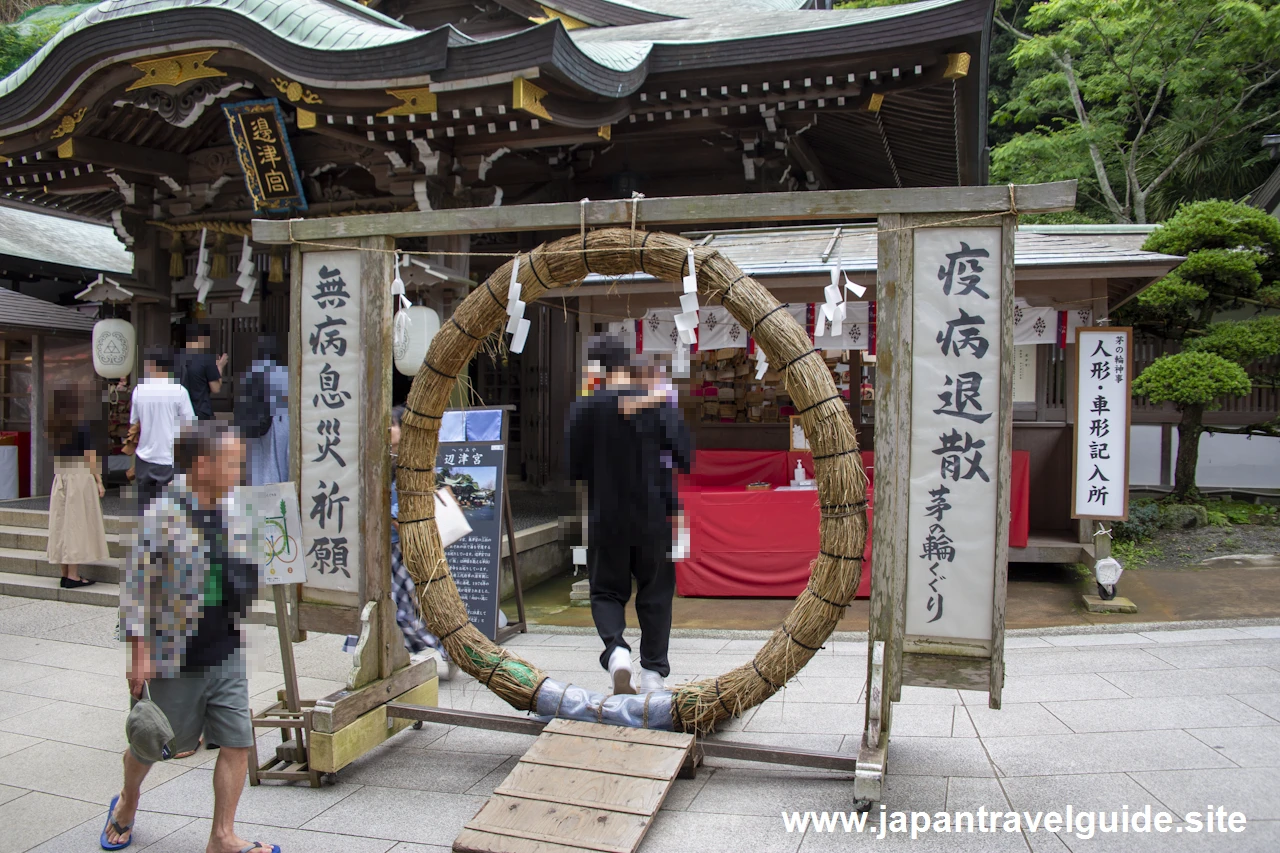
{"x":1233,"y":263}
{"x":1148,"y":103}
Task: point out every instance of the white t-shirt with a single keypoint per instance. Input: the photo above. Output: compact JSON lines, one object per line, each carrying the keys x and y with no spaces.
{"x":162,"y":406}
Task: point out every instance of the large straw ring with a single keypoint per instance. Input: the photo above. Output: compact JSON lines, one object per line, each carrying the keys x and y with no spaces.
{"x":697,"y":706}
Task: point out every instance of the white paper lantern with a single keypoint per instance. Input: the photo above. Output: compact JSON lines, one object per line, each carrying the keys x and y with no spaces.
{"x":113,"y":345}
{"x":410,"y":349}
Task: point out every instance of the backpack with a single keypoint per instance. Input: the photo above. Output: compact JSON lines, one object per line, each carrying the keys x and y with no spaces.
{"x":253,"y":414}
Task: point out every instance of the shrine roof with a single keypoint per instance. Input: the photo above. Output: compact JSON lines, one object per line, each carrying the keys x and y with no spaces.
{"x":52,"y":239}
{"x":19,"y":311}
{"x":800,"y":251}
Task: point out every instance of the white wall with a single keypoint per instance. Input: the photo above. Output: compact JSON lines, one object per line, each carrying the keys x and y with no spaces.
{"x":1234,"y":461}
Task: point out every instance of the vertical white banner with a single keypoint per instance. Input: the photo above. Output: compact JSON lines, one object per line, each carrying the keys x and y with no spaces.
{"x":955,"y":433}
{"x":1024,"y":373}
{"x":330,"y":421}
{"x":1100,"y":475}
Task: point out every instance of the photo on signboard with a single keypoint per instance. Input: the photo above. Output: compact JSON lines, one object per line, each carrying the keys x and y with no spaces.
{"x":474,"y":488}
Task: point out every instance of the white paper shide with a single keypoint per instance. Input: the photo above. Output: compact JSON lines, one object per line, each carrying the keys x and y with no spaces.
{"x":956,"y":417}
{"x":330,"y":421}
{"x":1102,"y":423}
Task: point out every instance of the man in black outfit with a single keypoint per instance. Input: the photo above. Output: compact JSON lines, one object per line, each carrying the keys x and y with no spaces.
{"x":199,"y":372}
{"x":623,"y":442}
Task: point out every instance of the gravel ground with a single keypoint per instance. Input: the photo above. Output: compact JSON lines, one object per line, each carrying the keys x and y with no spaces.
{"x":1185,"y":549}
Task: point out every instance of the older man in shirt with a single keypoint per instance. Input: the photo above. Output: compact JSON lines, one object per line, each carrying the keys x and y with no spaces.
{"x":189,"y":579}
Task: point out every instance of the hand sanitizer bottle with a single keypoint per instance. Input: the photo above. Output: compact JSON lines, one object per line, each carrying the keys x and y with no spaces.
{"x":798,"y":478}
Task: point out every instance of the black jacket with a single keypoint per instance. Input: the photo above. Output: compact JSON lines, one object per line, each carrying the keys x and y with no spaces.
{"x":629,"y":465}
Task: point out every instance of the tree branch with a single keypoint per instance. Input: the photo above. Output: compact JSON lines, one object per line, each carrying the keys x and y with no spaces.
{"x":1265,"y":428}
{"x":1099,"y":167}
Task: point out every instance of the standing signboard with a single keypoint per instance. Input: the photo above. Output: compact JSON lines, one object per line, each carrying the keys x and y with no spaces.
{"x":472,"y":461}
{"x":330,"y":399}
{"x":958,"y":412}
{"x":1100,"y":455}
{"x":277,"y":531}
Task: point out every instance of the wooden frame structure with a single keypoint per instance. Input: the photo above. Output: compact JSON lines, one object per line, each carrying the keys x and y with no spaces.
{"x":899,"y":213}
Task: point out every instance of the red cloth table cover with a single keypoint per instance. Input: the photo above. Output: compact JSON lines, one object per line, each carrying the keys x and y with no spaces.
{"x":762,"y":544}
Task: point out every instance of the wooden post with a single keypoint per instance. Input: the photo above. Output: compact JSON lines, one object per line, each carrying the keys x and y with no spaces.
{"x":995,"y":687}
{"x":39,"y":438}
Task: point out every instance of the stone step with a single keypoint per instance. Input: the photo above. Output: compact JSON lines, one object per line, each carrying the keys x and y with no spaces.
{"x":20,"y":561}
{"x":39,"y":518}
{"x":37,"y":539}
{"x":103,"y":594}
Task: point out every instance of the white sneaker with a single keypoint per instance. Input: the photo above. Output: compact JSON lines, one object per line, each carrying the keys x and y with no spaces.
{"x":620,"y":670}
{"x":651,"y":682}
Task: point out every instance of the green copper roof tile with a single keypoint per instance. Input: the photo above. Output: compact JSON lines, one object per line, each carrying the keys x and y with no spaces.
{"x":314,"y":24}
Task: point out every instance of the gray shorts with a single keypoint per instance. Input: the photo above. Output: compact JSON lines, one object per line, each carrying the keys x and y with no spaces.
{"x":204,"y":703}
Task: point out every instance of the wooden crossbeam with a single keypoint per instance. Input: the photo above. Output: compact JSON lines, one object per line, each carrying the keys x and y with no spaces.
{"x":107,"y":153}
{"x":826,"y":205}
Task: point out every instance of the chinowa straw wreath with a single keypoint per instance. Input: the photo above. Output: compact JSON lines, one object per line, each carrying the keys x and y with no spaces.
{"x":697,"y":706}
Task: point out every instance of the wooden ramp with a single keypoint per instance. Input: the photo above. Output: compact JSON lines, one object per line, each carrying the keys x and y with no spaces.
{"x":581,"y":786}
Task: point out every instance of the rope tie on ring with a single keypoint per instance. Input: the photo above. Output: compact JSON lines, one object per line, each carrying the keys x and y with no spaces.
{"x":635,"y":208}
{"x":644,"y":243}
{"x":834,"y":455}
{"x":764,"y":678}
{"x":720,"y":698}
{"x":819,"y":403}
{"x":533,"y":697}
{"x":767,"y":315}
{"x":827,"y":601}
{"x":502,"y":655}
{"x":454,"y":320}
{"x":411,"y":410}
{"x":787,"y":631}
{"x":729,"y":289}
{"x":582,"y":227}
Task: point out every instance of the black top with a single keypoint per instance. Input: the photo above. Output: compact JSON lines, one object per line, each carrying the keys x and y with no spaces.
{"x":229,"y":587}
{"x":196,"y":371}
{"x":627,"y":464}
{"x":77,"y":444}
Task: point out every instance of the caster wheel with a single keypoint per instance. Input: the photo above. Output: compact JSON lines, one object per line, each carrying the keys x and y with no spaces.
{"x":862,"y":806}
{"x":417,"y":725}
{"x":329,"y":779}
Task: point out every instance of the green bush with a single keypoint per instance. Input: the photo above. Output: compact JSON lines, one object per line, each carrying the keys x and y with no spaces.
{"x":1144,"y":521}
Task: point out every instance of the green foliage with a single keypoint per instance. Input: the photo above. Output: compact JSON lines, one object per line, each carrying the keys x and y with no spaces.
{"x":1134,"y":555}
{"x":35,"y":26}
{"x":1144,"y":521}
{"x":1217,"y":518}
{"x":1243,"y":341}
{"x":1149,"y":104}
{"x":1233,"y":261}
{"x":1217,"y":224}
{"x":1191,"y":379}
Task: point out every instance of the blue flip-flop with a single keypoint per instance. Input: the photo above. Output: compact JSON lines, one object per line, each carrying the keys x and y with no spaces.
{"x":257,"y":845}
{"x":120,"y":830}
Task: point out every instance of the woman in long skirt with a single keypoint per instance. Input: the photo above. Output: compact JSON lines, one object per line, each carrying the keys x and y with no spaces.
{"x":77,"y":534}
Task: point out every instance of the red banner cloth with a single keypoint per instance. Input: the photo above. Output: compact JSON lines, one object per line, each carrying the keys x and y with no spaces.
{"x":762,"y":544}
{"x":720,"y":469}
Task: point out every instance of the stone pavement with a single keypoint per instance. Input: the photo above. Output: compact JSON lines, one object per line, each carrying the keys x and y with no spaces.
{"x":1176,"y":718}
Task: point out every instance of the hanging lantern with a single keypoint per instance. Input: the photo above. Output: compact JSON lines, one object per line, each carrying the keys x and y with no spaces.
{"x":410,"y":350}
{"x":114,"y":341}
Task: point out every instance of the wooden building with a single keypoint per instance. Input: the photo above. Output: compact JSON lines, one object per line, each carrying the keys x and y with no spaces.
{"x":401,"y":105}
{"x":1065,"y":276}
